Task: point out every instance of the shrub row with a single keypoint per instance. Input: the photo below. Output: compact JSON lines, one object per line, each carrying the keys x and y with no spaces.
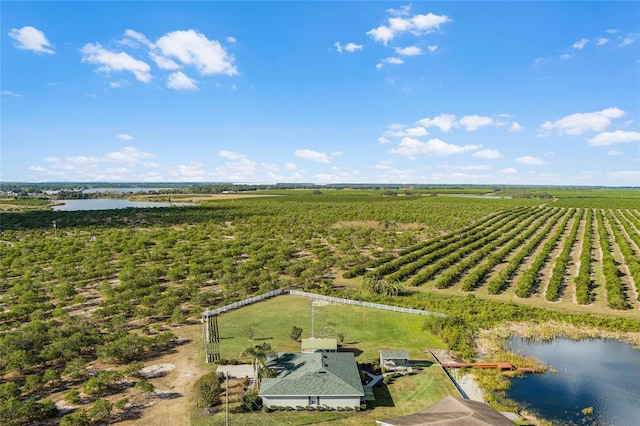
{"x":616,"y":298}
{"x":457,"y":251}
{"x":476,"y":277}
{"x":583,"y":280}
{"x":498,"y":283}
{"x":426,"y":254}
{"x":630,"y":258}
{"x":529,"y":279}
{"x":557,"y":274}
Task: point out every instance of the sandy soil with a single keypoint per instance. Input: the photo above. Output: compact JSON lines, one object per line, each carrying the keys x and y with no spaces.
{"x":174,"y":376}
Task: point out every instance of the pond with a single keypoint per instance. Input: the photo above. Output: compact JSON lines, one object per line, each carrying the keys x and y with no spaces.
{"x":600,"y":373}
{"x":109,"y":204}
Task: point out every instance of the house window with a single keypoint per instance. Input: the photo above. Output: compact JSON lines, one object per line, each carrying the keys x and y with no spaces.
{"x":314,"y":400}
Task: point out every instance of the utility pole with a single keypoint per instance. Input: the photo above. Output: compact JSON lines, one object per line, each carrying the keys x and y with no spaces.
{"x":227,"y":409}
{"x":55,"y":229}
{"x":312,"y":319}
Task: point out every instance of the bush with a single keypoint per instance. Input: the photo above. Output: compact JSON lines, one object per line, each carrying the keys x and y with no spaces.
{"x":251,"y":400}
{"x":208,"y":390}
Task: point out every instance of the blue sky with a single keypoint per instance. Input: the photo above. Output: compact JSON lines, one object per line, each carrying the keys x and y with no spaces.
{"x":324,"y":92}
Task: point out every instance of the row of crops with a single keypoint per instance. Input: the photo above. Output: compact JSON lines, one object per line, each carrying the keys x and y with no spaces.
{"x":577,"y":255}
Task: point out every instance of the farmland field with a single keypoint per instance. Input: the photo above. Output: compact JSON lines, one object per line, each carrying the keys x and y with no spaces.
{"x":103,"y":291}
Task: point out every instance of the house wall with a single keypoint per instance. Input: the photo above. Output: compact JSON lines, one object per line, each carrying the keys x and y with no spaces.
{"x":329,"y":401}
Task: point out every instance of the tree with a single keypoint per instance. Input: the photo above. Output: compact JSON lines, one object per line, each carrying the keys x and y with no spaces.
{"x":259,"y":353}
{"x":77,"y":418}
{"x":208,"y":390}
{"x":101,"y":410}
{"x":296,"y":332}
{"x":251,"y":333}
{"x":72,"y":396}
{"x":145,"y":387}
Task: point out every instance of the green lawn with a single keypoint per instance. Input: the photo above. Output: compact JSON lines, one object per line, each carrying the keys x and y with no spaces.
{"x":365,"y":330}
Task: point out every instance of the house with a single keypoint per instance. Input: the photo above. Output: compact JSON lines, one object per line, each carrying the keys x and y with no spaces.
{"x":394,"y":359}
{"x":313,"y":379}
{"x":451,"y":411}
{"x":318,"y":345}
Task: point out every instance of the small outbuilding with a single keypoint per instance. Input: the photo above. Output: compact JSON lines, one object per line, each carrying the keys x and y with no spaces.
{"x":318,"y":345}
{"x":394,"y":359}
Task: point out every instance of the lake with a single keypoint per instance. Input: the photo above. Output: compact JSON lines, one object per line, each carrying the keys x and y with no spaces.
{"x":599,"y":373}
{"x":110,"y":204}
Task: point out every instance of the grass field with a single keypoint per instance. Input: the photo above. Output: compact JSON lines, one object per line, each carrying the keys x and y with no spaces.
{"x":365,"y":330}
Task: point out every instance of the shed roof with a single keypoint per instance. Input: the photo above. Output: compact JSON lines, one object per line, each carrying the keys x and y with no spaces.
{"x":319,"y":344}
{"x":451,"y":411}
{"x":314,"y":374}
{"x":394,"y":354}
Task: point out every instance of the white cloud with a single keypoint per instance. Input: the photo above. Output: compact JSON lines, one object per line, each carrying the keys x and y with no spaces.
{"x":507,"y":171}
{"x":614,"y":152}
{"x":417,"y":25}
{"x":237,"y":168}
{"x":402,"y":11}
{"x":531,"y":161}
{"x":352,"y":47}
{"x":538,"y":61}
{"x":383,"y":140}
{"x":474,"y":122}
{"x":428,"y":23}
{"x":515,"y":127}
{"x":127,"y":155}
{"x":444,"y":122}
{"x":566,"y":56}
{"x":162,"y":62}
{"x":611,"y":30}
{"x":30,"y":38}
{"x":549,"y":154}
{"x":133,"y":37}
{"x":231,"y":40}
{"x":180,"y":81}
{"x":124,"y":137}
{"x":290,"y":166}
{"x":618,"y":136}
{"x":394,"y":61}
{"x":10,"y":93}
{"x":410,"y":147}
{"x":632,"y":175}
{"x":399,"y":130}
{"x":576,"y":124}
{"x":349,"y":47}
{"x":115,"y":84}
{"x":230,"y":155}
{"x":630,"y":38}
{"x":115,"y":61}
{"x":432,"y":47}
{"x":488,"y":154}
{"x":307,"y":154}
{"x":382,"y":34}
{"x":580,"y":44}
{"x":195,"y":49}
{"x":408,"y":51}
{"x":601,"y":40}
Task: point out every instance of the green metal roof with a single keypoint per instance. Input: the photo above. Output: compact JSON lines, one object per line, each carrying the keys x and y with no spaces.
{"x":394,"y":354}
{"x":319,"y":344}
{"x":313,"y":374}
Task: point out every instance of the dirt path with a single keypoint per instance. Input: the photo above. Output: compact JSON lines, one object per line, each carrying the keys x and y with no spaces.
{"x":622,"y":229}
{"x":176,"y":374}
{"x":628,"y":286}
